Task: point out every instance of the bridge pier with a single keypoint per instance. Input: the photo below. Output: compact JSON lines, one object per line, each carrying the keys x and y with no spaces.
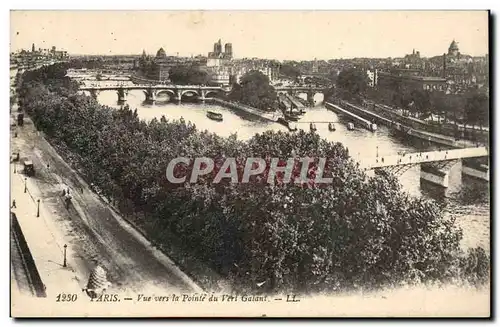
{"x":150,"y":96}
{"x":178,"y":98}
{"x":476,"y":168}
{"x":310,"y":98}
{"x":122,"y":96}
{"x":94,"y":94}
{"x":435,"y":174}
{"x":202,"y":96}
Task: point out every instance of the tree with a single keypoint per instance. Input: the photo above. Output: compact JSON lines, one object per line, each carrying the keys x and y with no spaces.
{"x":422,"y":101}
{"x":333,"y":76}
{"x":236,"y":92}
{"x":290,"y":71}
{"x":188,"y":75}
{"x":256,"y":91}
{"x":401,"y":97}
{"x":477,"y":109}
{"x":353,"y":81}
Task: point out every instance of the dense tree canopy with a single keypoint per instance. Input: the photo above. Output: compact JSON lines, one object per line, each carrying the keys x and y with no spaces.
{"x":477,"y":108}
{"x":290,"y":71}
{"x":352,"y":82}
{"x":97,"y":63}
{"x":355,"y":233}
{"x":188,"y":75}
{"x":254,"y":90}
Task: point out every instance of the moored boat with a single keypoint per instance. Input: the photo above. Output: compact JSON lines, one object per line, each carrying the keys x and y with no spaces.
{"x":214,"y":115}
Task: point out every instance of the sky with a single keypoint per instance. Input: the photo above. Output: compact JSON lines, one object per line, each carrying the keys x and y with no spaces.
{"x":282,"y":35}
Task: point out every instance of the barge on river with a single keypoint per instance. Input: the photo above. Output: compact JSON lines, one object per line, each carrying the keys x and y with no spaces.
{"x":214,"y":115}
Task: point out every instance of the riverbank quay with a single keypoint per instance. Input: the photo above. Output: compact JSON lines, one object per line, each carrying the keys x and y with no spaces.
{"x":94,"y":233}
{"x":97,"y":234}
{"x":141,"y":80}
{"x":359,"y":120}
{"x":268,"y":116}
{"x":438,"y":139}
{"x":467,"y":132}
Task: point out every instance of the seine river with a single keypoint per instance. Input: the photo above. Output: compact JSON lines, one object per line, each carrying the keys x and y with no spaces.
{"x":472,"y":215}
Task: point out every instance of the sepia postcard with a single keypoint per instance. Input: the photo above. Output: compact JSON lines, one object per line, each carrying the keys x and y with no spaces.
{"x":250,"y":164}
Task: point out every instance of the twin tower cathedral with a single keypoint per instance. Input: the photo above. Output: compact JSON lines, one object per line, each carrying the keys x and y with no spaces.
{"x":218,"y":53}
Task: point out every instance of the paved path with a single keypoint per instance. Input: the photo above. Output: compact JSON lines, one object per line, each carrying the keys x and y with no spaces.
{"x":94,"y":232}
{"x":44,"y":240}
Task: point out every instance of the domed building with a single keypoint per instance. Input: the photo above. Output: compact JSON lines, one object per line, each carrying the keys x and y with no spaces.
{"x":161,"y":54}
{"x":453,"y":49}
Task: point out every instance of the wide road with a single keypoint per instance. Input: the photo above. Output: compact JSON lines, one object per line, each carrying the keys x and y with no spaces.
{"x":95,"y":232}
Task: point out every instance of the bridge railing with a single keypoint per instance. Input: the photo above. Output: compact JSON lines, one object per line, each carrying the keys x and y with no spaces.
{"x":421,"y":157}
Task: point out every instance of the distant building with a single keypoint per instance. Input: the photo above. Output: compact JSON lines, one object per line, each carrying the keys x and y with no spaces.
{"x":315,"y":67}
{"x":372,"y":77}
{"x":218,"y":57}
{"x":219,"y":75}
{"x":453,"y":49}
{"x":411,"y":79}
{"x":161,"y":65}
{"x":228,"y":50}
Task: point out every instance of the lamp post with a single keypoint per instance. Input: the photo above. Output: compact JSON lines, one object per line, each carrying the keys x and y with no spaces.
{"x":25,"y":185}
{"x":377,"y":151}
{"x":38,"y":208}
{"x":64,"y":261}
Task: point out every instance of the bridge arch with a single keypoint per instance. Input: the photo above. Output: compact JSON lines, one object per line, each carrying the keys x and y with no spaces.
{"x":170,"y":93}
{"x":190,"y":92}
{"x":212,"y":93}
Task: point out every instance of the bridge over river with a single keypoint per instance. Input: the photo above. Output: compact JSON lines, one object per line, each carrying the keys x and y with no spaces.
{"x":201,"y":92}
{"x":434,"y":164}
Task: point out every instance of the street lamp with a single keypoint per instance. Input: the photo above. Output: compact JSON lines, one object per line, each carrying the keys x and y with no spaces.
{"x":25,"y":185}
{"x":38,"y":208}
{"x":377,"y":151}
{"x":64,"y":262}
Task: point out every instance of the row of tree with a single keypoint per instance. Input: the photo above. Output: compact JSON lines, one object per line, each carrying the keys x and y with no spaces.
{"x":355,"y":233}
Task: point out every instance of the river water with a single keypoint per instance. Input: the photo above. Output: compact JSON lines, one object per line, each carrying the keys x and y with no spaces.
{"x":472,"y":214}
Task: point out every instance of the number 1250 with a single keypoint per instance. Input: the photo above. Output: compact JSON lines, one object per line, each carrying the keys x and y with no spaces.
{"x":66,"y":297}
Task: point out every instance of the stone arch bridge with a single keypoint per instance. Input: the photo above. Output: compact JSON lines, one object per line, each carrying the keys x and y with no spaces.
{"x":178,"y":91}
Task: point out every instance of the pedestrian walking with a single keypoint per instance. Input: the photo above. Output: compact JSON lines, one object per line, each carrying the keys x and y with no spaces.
{"x":13,"y":204}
